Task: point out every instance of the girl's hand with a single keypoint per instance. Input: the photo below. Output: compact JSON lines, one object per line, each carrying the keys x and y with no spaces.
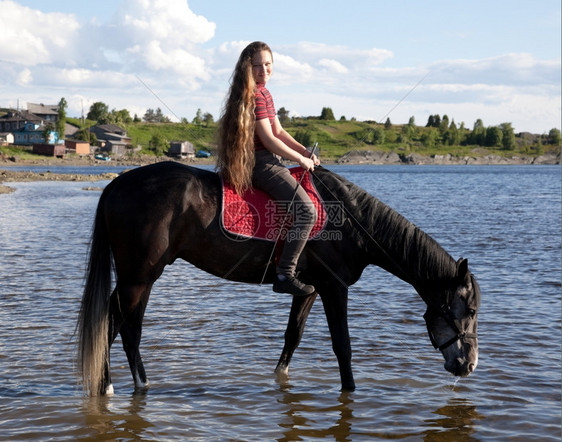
{"x":315,"y":159}
{"x":306,"y":163}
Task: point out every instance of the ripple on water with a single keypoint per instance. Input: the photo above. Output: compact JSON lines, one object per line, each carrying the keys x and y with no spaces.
{"x":210,"y":347}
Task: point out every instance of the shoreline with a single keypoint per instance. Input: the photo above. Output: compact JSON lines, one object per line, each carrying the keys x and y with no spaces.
{"x":350,"y":158}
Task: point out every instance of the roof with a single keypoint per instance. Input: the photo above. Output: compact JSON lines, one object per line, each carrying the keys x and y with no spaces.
{"x":43,"y":109}
{"x":19,"y":116}
{"x":111,"y":128}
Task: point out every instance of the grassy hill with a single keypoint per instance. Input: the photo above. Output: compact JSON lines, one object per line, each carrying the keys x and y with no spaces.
{"x":335,"y":138}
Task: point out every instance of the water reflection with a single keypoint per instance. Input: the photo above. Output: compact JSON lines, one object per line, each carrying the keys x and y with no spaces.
{"x":306,"y":417}
{"x":211,"y":357}
{"x":106,"y":418}
{"x":455,"y":421}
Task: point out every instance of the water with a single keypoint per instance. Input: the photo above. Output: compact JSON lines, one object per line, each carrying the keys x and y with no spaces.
{"x":210,"y":346}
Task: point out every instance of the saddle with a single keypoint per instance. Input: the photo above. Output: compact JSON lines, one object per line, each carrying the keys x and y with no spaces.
{"x":256,"y":215}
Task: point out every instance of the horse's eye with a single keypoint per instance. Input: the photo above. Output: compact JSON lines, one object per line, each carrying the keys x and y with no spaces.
{"x":472,"y":312}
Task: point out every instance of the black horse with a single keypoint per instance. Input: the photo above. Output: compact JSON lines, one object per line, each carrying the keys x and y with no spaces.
{"x":151,"y":216}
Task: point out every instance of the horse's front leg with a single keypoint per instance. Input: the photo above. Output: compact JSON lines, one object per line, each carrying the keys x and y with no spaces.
{"x":297,"y":320}
{"x":335,"y":307}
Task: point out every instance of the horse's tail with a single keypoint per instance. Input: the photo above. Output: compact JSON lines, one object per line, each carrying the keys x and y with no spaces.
{"x":93,"y":320}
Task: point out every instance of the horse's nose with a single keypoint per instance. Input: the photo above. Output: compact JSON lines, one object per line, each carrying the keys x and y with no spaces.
{"x":471,"y":367}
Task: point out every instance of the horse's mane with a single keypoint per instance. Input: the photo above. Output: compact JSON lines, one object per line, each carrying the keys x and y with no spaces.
{"x":381,"y":230}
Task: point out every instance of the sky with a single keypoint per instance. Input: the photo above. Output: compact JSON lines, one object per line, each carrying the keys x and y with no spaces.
{"x":498,"y":61}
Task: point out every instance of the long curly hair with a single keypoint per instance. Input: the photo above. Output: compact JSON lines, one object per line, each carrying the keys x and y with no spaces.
{"x":236,"y":154}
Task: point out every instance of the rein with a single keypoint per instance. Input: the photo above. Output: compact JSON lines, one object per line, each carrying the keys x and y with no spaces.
{"x":444,"y":311}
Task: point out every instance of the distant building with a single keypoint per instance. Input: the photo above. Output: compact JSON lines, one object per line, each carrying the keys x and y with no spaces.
{"x":181,"y":149}
{"x":6,"y":138}
{"x":15,"y":120}
{"x":112,"y":138}
{"x":32,"y":133}
{"x":28,"y":126}
{"x":50,"y":150}
{"x":78,"y":147}
{"x":49,"y":113}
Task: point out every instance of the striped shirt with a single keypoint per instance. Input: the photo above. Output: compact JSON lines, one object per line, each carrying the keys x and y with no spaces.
{"x":264,"y":109}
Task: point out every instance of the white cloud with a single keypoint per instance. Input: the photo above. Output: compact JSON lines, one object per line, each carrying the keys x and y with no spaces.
{"x":29,"y":37}
{"x":168,"y":21}
{"x":333,"y":65}
{"x":46,"y":55}
{"x":24,"y":77}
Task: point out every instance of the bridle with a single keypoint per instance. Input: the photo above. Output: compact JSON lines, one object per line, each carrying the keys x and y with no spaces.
{"x":444,"y":311}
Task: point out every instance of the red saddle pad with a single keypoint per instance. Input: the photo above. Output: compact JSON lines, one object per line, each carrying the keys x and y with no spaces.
{"x":256,"y":215}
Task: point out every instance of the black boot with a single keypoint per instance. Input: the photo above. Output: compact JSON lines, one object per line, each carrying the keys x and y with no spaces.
{"x":292,"y":286}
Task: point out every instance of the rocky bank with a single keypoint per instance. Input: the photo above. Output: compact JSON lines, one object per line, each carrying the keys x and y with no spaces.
{"x":384,"y":158}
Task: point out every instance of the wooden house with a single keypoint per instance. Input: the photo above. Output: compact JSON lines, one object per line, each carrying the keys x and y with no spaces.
{"x":181,"y":149}
{"x":78,"y":147}
{"x":112,"y":138}
{"x":50,"y":150}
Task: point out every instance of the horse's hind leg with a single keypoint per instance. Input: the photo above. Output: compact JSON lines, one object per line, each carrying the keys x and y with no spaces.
{"x":297,"y":320}
{"x":133,"y":301}
{"x":115,"y":320}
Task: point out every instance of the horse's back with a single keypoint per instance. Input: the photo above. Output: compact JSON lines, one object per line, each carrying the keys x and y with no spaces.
{"x":150,"y":209}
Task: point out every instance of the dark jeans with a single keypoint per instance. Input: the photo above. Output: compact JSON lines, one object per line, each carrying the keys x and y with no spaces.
{"x":271,"y":176}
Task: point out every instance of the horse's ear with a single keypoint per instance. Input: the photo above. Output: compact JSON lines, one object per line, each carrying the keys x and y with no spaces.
{"x":462,"y":268}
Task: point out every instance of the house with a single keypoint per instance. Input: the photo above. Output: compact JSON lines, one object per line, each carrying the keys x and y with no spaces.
{"x":181,"y":149}
{"x":50,"y":150}
{"x":14,"y":120}
{"x":6,"y":138}
{"x":28,"y":126}
{"x":78,"y":147}
{"x":48,"y":113}
{"x":32,"y":133}
{"x":112,"y":138}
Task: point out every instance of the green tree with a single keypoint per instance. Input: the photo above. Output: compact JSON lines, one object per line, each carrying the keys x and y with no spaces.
{"x":554,"y":136}
{"x":98,"y":112}
{"x":208,"y":119}
{"x":61,"y":122}
{"x":387,"y":124}
{"x":158,"y":144}
{"x":198,"y":118}
{"x":378,"y":135}
{"x":49,"y":127}
{"x":327,"y":114}
{"x":119,"y":117}
{"x":444,"y":125}
{"x":429,"y":137}
{"x":85,"y":135}
{"x":407,"y":132}
{"x":155,"y":116}
{"x":452,"y":136}
{"x":478,"y":135}
{"x":508,"y":136}
{"x":283,"y":115}
{"x":433,"y":121}
{"x":304,"y":137}
{"x":493,"y":136}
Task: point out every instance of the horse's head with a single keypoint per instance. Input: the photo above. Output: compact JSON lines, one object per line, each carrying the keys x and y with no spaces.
{"x":452,"y":323}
